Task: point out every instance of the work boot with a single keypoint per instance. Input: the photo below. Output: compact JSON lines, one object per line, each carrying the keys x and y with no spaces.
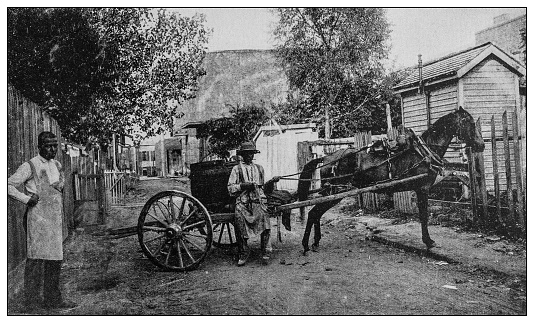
{"x":244,"y":253}
{"x":266,"y":247}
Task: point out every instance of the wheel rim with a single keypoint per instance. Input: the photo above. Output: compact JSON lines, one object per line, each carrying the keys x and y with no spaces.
{"x":175,"y":231}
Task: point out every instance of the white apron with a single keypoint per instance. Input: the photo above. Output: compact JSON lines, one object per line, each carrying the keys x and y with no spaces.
{"x":45,"y":219}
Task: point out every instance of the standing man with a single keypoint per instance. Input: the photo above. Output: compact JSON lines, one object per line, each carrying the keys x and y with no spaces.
{"x":246,"y":183}
{"x":42,"y":179}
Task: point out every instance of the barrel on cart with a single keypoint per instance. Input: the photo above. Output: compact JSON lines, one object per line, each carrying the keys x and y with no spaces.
{"x":176,"y":229}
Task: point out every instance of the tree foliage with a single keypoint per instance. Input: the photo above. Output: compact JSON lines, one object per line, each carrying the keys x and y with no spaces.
{"x":106,"y":70}
{"x":227,"y":133}
{"x":332,"y":57}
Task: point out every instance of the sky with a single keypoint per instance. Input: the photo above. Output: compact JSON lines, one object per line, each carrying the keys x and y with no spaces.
{"x":431,"y":32}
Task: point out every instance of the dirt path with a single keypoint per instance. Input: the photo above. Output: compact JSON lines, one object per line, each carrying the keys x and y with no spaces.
{"x":350,"y":275}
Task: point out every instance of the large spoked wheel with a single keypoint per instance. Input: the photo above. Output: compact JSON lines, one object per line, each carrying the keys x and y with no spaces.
{"x":175,"y":231}
{"x":224,"y":235}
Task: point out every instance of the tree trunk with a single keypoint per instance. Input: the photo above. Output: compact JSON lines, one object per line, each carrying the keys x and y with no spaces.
{"x":327,"y":121}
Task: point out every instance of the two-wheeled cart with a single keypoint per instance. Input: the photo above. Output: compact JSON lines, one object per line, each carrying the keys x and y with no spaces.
{"x":177,"y":229}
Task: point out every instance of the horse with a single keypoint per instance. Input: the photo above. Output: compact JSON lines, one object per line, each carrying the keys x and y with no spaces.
{"x":357,"y":168}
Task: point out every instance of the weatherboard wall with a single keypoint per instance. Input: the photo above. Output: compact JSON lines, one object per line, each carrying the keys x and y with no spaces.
{"x":490,"y":89}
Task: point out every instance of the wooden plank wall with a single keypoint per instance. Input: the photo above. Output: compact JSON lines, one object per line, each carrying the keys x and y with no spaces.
{"x":25,"y":121}
{"x":278,"y":158}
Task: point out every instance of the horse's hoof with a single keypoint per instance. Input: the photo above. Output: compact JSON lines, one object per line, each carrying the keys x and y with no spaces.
{"x":314,"y":248}
{"x":306,"y":249}
{"x":430,"y":244}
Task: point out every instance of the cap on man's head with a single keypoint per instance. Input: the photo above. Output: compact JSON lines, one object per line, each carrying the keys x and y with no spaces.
{"x":247,"y":147}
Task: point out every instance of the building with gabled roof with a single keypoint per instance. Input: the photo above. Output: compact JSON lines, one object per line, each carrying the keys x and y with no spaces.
{"x":484,"y":80}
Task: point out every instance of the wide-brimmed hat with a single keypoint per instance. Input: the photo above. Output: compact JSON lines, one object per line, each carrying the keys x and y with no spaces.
{"x":248,"y":146}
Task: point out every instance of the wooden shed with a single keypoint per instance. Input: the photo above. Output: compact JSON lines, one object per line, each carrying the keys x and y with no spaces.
{"x":484,"y":80}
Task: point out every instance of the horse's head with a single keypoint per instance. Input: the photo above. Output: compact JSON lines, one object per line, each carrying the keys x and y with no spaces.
{"x":468,"y":132}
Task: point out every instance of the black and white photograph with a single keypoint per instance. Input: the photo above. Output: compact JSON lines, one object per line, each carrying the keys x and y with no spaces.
{"x":266,"y":161}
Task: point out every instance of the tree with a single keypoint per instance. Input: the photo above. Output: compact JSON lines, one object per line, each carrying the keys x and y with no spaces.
{"x":332,"y":56}
{"x":106,"y":70}
{"x":227,"y":133}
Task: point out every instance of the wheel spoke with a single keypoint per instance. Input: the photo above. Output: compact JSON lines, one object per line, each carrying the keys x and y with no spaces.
{"x":188,"y":252}
{"x":168,"y":255}
{"x":180,"y":259}
{"x":171,"y":206}
{"x":187,"y":227}
{"x":193,"y":244}
{"x":161,"y":210}
{"x":181,"y":207}
{"x":157,"y":237}
{"x":159,"y":248}
{"x":166,"y":225}
{"x":190,"y":215}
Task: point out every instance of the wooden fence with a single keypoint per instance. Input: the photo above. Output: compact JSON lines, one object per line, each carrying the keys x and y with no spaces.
{"x":115,"y":183}
{"x":498,"y":184}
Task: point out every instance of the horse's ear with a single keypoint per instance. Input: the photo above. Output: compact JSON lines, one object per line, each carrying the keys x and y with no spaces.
{"x":461,"y":109}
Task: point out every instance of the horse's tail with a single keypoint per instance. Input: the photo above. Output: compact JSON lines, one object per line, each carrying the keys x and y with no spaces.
{"x":305,"y":176}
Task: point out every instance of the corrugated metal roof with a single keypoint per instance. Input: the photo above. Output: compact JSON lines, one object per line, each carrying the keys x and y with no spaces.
{"x":444,"y":66}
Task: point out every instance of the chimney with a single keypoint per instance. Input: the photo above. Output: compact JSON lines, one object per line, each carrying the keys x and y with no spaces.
{"x":501,"y":19}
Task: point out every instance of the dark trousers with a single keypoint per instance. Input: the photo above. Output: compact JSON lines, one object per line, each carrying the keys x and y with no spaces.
{"x":42,"y":274}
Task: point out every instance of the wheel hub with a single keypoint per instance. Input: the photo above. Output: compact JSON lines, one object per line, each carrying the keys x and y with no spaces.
{"x":174,"y":231}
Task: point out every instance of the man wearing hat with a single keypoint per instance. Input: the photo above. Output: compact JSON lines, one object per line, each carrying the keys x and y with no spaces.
{"x":247,"y":184}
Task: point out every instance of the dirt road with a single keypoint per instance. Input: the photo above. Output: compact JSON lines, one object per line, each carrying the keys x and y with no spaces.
{"x":350,"y":275}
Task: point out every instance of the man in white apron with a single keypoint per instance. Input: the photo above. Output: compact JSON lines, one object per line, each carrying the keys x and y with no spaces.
{"x":246,"y":183}
{"x":42,"y":180}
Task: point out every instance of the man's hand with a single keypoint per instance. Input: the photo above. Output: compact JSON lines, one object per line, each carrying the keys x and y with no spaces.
{"x":33,"y":200}
{"x":275,"y":179}
{"x":247,"y":186}
{"x":58,"y":186}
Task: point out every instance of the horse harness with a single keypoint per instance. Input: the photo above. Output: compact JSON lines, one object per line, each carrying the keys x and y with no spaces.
{"x":428,"y":156}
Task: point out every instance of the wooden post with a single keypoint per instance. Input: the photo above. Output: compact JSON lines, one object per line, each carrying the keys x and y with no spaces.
{"x":473,"y":182}
{"x":388,"y":118}
{"x":496,"y":170}
{"x":480,"y":159}
{"x":518,"y":172}
{"x":508,"y":169}
{"x":101,"y":196}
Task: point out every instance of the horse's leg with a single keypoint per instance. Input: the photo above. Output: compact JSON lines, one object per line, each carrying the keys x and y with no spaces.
{"x":307,"y":231}
{"x":422,"y":204}
{"x":319,"y":211}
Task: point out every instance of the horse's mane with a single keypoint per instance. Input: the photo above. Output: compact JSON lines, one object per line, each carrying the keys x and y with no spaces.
{"x":440,"y":124}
